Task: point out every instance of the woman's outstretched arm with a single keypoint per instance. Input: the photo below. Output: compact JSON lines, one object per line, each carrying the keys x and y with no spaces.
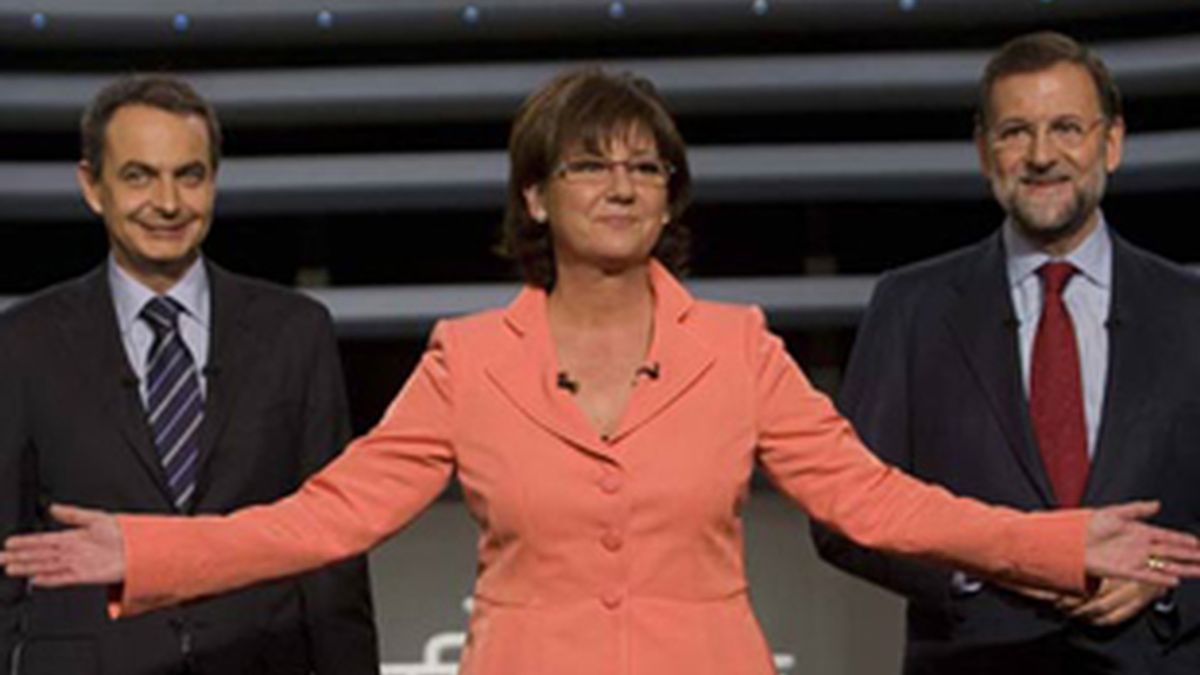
{"x":374,"y":488}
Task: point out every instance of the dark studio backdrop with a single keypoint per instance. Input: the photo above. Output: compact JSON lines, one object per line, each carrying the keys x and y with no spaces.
{"x":364,"y":162}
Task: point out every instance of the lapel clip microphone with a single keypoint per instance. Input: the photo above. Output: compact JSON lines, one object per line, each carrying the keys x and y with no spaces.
{"x":565,"y":382}
{"x":650,"y":370}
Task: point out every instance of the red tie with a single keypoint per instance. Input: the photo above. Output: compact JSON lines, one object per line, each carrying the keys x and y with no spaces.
{"x":1056,"y":392}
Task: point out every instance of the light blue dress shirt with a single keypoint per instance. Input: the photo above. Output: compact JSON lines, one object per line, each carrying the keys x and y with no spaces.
{"x":1088,"y":298}
{"x":130,"y":296}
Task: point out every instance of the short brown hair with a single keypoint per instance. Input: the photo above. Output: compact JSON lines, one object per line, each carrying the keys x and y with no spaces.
{"x":156,"y":91}
{"x":587,"y":106}
{"x":1035,"y":52}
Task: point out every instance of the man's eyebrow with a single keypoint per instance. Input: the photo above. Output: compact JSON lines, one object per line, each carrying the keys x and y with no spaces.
{"x":136,"y":164}
{"x":191,"y":166}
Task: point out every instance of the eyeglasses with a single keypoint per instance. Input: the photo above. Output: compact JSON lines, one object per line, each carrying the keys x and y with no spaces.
{"x":1066,"y":133}
{"x":597,"y":171}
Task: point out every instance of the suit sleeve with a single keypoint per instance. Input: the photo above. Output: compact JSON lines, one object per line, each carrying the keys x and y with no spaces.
{"x":337,"y":599}
{"x":874,"y":396}
{"x":16,"y":486}
{"x":813,"y":455}
{"x":1181,"y":624}
{"x":374,"y":488}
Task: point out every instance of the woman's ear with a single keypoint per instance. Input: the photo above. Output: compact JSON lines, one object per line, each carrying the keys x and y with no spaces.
{"x":534,"y":203}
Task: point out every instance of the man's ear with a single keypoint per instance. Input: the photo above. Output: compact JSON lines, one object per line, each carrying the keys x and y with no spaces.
{"x":89,"y":186}
{"x":1114,"y":144}
{"x":983,"y":151}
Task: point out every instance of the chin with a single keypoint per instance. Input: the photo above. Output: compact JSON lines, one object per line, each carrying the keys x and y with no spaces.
{"x":1050,"y":232}
{"x":169,"y":259}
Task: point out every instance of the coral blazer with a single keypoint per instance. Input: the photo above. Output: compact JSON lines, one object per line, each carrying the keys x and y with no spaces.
{"x":617,"y":555}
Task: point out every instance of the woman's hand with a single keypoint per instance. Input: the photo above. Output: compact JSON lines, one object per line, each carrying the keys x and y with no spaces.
{"x":91,"y":552}
{"x":1119,"y":545}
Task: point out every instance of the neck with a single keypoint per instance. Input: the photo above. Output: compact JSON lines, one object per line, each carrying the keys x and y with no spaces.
{"x":158,"y":277}
{"x":591,"y":297}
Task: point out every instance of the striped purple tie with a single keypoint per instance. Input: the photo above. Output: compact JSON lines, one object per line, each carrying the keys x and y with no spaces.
{"x":173,"y":399}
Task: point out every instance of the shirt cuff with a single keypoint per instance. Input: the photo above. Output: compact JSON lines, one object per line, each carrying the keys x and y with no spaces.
{"x":1165,"y":604}
{"x":963,"y":584}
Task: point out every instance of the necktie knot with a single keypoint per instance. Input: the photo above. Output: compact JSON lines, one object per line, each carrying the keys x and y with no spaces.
{"x":1055,"y":276}
{"x":162,"y":313}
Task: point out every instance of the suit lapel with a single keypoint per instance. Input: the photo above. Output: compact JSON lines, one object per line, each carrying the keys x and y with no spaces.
{"x":90,"y":325}
{"x":1132,"y":372}
{"x":232,"y":346}
{"x":982,"y":321}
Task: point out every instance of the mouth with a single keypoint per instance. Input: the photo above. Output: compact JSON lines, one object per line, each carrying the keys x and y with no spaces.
{"x":164,"y":228}
{"x":619,"y":222}
{"x":1044,"y":183}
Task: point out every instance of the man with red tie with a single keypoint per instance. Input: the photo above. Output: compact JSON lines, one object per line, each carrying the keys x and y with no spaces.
{"x":1050,"y":365}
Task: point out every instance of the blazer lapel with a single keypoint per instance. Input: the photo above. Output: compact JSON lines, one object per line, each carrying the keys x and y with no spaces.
{"x":90,"y":325}
{"x":676,"y":355}
{"x":526,"y":372}
{"x":982,"y":321}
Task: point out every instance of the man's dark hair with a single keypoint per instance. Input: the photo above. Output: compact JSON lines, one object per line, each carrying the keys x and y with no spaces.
{"x":1036,"y":52}
{"x":156,"y":91}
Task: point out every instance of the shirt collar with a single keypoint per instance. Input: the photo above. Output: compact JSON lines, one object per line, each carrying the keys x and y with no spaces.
{"x":130,"y":295}
{"x":1093,"y":256}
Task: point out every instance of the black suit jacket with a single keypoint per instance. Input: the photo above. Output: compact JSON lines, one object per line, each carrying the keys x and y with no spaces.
{"x":934,"y":386}
{"x":73,"y":430}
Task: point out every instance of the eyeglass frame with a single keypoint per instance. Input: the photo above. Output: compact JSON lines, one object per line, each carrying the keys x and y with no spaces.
{"x":563,"y":170}
{"x":1034,"y":131}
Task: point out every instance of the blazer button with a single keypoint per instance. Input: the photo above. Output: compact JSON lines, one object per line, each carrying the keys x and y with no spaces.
{"x":611,"y":541}
{"x":611,"y":599}
{"x":611,"y":484}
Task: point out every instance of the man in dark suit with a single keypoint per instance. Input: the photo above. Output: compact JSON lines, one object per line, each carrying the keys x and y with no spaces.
{"x":1049,"y":366}
{"x":161,"y":383}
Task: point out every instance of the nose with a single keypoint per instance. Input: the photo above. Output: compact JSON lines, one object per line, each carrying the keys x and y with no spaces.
{"x":620,"y":184}
{"x":1041,"y":150}
{"x":166,"y":196}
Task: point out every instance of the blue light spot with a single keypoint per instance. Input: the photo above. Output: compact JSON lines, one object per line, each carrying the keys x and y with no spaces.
{"x":759,"y":7}
{"x":470,"y":14}
{"x":616,"y":10}
{"x":908,"y":5}
{"x":181,"y":23}
{"x":325,"y":19}
{"x":38,"y":21}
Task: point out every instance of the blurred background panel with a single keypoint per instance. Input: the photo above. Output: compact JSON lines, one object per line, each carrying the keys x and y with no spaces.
{"x":364,"y":163}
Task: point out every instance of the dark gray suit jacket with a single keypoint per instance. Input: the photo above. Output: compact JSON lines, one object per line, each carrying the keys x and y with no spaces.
{"x":73,"y":430}
{"x":934,"y":386}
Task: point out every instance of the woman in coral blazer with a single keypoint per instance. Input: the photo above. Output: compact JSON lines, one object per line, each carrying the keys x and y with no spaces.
{"x":604,"y":428}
